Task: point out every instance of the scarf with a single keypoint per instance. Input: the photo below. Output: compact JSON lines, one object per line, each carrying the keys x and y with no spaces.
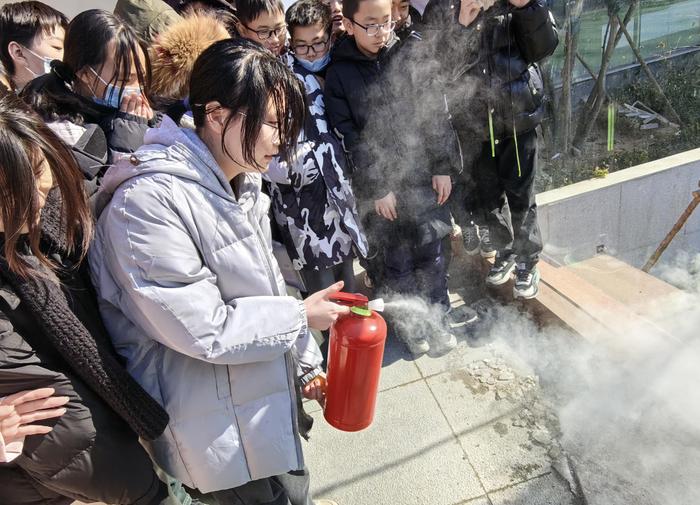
{"x":90,"y":357}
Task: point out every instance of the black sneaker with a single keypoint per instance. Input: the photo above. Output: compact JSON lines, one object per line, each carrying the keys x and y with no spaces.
{"x":470,"y":236}
{"x":500,"y":271}
{"x":485,"y":247}
{"x":527,"y":281}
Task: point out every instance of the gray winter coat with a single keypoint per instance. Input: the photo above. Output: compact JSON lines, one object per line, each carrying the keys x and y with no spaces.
{"x":194,"y":300}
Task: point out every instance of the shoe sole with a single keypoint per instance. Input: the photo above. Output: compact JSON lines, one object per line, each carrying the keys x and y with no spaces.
{"x":487,"y":254}
{"x":471,"y":320}
{"x":527,"y":295}
{"x":464,"y":323}
{"x":502,"y":280}
{"x":472,"y":252}
{"x":418,"y":349}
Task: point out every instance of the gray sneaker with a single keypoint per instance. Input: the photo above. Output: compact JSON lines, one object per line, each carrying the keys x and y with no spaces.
{"x":470,"y":236}
{"x":527,"y":281}
{"x":500,"y":271}
{"x":486,"y":248}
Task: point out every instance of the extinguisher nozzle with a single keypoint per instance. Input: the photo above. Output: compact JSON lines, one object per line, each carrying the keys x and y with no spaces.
{"x":376,"y":305}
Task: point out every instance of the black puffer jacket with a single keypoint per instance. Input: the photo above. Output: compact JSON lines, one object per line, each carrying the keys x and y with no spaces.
{"x":89,"y":146}
{"x":404,"y":138}
{"x":51,"y":97}
{"x":491,"y":64}
{"x":91,"y":455}
{"x":58,"y":340}
{"x":351,"y":94}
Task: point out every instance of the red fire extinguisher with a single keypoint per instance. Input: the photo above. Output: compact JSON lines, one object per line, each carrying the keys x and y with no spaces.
{"x":354,"y":362}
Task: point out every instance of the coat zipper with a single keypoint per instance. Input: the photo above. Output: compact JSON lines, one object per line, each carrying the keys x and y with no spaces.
{"x":288,"y":361}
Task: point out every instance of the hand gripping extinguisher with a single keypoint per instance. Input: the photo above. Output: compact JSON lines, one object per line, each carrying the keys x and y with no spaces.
{"x":354,"y":363}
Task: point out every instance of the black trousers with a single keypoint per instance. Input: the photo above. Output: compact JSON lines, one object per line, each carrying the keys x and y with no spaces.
{"x":316,"y":280}
{"x":289,"y":489}
{"x":504,"y":197}
{"x":417,"y":270}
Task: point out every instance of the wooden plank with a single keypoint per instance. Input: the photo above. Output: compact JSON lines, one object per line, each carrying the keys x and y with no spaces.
{"x":551,"y":308}
{"x":616,"y":325}
{"x":623,"y":282}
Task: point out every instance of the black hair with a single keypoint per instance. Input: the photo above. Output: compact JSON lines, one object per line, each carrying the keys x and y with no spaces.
{"x":244,"y":77}
{"x":87,"y":39}
{"x":350,"y":8}
{"x":21,"y":22}
{"x":26,"y":142}
{"x":249,"y":10}
{"x":309,"y":13}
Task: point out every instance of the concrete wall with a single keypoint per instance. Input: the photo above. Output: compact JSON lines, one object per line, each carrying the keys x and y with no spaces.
{"x":628,"y":213}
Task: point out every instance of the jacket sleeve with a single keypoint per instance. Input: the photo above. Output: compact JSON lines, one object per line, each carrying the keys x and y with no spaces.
{"x":20,"y":370}
{"x":443,"y":148}
{"x":164,"y":287}
{"x":125,"y":134}
{"x":305,"y":349}
{"x":435,"y":15}
{"x":341,"y":120}
{"x":359,"y":149}
{"x":535,"y":31}
{"x":456,"y":47}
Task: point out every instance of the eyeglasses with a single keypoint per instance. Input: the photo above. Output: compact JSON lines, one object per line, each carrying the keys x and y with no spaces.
{"x":303,"y":49}
{"x":208,"y":111}
{"x":274,"y":126}
{"x":266,"y":33}
{"x":374,"y":29}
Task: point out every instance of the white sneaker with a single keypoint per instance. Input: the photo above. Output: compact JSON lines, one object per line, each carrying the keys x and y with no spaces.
{"x":325,"y":502}
{"x":418,"y":346}
{"x":445,"y":342}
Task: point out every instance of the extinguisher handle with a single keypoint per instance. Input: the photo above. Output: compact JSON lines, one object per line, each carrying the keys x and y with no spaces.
{"x":349,"y":299}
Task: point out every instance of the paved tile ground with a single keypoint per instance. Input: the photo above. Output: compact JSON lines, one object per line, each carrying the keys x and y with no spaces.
{"x":440,"y":439}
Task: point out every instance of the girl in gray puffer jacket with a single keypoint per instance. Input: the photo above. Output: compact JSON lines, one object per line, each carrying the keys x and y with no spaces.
{"x":190,"y":291}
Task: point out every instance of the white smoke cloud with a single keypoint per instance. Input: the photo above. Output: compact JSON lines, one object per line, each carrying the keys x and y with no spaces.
{"x":628,"y":420}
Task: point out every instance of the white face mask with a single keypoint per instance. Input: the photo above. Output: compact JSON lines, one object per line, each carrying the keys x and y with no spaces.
{"x":316,"y":65}
{"x":45,"y":59}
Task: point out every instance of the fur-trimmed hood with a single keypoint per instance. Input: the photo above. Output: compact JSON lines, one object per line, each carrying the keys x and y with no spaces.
{"x":174,"y":53}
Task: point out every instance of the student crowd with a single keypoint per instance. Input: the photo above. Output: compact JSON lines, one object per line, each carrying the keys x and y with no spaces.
{"x":150,"y":161}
